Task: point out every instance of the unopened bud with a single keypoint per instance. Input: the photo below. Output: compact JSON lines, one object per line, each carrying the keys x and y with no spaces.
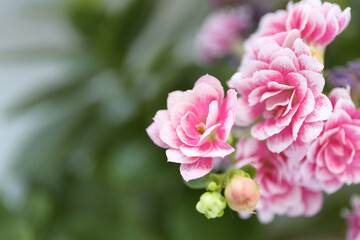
{"x":211,"y":204}
{"x":212,"y":186}
{"x":242,"y":194}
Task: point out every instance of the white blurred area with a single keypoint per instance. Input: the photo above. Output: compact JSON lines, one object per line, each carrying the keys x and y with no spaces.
{"x":27,"y":27}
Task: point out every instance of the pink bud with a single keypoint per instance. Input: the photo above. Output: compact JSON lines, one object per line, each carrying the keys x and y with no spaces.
{"x":242,"y":194}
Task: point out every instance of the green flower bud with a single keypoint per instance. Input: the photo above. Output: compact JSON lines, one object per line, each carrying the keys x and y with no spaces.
{"x":212,"y":204}
{"x":212,"y":186}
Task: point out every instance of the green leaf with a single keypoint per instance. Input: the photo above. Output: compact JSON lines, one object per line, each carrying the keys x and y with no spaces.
{"x":198,"y":183}
{"x":250,"y":170}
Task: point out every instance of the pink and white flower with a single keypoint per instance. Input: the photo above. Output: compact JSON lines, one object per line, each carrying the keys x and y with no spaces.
{"x":336,"y":153}
{"x":279,"y":195}
{"x":353,"y":219}
{"x":283,"y":85}
{"x":220,"y":31}
{"x":318,"y":23}
{"x":195,"y":126}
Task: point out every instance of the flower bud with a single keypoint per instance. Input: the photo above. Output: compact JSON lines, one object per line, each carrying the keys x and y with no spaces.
{"x":212,"y":204}
{"x":242,"y":194}
{"x":212,"y":186}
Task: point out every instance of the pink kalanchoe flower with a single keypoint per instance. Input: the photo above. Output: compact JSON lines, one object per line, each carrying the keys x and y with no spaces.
{"x":283,"y":85}
{"x":195,"y":126}
{"x":318,"y":23}
{"x":336,"y":153}
{"x":353,"y":219}
{"x":279,"y":195}
{"x":219,"y":32}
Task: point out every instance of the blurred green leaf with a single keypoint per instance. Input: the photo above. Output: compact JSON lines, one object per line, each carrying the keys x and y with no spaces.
{"x":250,"y":170}
{"x":198,"y":183}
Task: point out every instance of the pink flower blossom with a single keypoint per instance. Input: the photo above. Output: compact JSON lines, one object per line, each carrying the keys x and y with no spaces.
{"x":336,"y":153}
{"x":283,"y":85}
{"x":195,"y":126}
{"x":318,"y":23}
{"x":279,"y":195}
{"x":219,"y":32}
{"x":242,"y":194}
{"x":353,"y":219}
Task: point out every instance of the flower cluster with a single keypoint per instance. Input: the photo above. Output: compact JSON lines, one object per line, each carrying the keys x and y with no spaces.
{"x":220,"y":32}
{"x":300,"y":140}
{"x":353,"y":219}
{"x":318,"y":23}
{"x":195,"y":126}
{"x":279,"y":193}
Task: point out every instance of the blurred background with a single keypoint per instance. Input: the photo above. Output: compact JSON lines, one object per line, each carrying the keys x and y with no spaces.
{"x":80,"y":81}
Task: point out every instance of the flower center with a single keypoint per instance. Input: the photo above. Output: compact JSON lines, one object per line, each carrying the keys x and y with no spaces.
{"x":200,"y":128}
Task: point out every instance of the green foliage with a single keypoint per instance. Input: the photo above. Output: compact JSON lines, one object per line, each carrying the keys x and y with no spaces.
{"x":199,"y":183}
{"x":250,"y":170}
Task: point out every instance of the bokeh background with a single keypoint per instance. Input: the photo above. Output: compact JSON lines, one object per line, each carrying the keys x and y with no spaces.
{"x":80,"y":81}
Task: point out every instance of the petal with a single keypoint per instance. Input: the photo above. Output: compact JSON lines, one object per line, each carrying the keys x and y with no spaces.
{"x":300,"y":84}
{"x":277,"y":86}
{"x":281,"y":141}
{"x":177,"y":111}
{"x":245,"y":114}
{"x":220,"y":149}
{"x":300,"y":48}
{"x":185,"y":138}
{"x":255,"y":95}
{"x":153,"y":133}
{"x":291,"y":37}
{"x":334,"y":163}
{"x":213,"y":82}
{"x":197,"y":169}
{"x":307,"y":105}
{"x":205,"y":94}
{"x":281,"y":99}
{"x":161,"y":117}
{"x":179,"y":96}
{"x":169,"y":136}
{"x":296,"y":125}
{"x":337,"y":118}
{"x":338,"y":93}
{"x":229,"y":104}
{"x":196,"y":151}
{"x":224,"y":130}
{"x":271,"y":128}
{"x":315,"y":81}
{"x":258,"y":131}
{"x":322,"y":110}
{"x":310,"y":131}
{"x":310,"y":63}
{"x":189,"y":123}
{"x":313,"y":201}
{"x":213,"y":113}
{"x":269,"y":94}
{"x":206,"y":135}
{"x":346,"y":105}
{"x":174,"y":155}
{"x":344,"y":19}
{"x":261,"y":78}
{"x":297,"y":151}
{"x":283,"y":64}
{"x":320,"y":27}
{"x":332,"y":29}
{"x":253,"y":66}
